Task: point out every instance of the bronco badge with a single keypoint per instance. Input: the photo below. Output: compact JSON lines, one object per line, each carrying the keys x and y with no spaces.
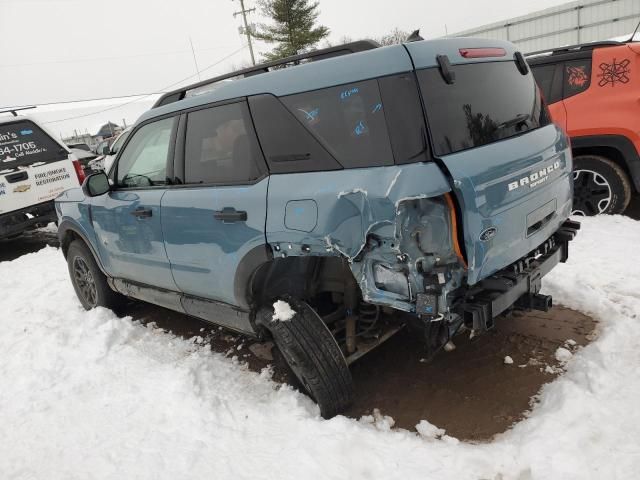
{"x":536,"y":178}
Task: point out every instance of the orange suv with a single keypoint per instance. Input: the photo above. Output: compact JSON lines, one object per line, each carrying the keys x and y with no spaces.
{"x":593,"y":93}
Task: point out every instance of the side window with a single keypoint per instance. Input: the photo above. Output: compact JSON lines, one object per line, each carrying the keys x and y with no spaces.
{"x":544,"y":78}
{"x":221,"y":146}
{"x":577,"y":77}
{"x":349,"y":120}
{"x":405,"y":120}
{"x":288,"y":146}
{"x":143,"y":162}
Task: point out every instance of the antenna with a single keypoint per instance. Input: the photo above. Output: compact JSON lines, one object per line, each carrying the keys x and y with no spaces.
{"x":634,"y":33}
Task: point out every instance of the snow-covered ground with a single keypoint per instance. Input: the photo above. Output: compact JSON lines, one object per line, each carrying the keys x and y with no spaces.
{"x":92,"y":396}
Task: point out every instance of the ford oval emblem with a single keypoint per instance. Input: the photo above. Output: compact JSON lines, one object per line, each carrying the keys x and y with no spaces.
{"x":488,"y":233}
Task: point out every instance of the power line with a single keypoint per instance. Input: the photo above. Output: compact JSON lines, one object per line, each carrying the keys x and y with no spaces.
{"x":85,"y":100}
{"x":150,"y":94}
{"x":100,"y":59}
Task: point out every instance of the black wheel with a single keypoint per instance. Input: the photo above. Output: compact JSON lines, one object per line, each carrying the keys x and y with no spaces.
{"x":88,"y":280}
{"x":600,"y":186}
{"x":313,"y":355}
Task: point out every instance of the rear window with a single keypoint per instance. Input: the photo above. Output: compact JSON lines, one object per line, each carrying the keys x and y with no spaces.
{"x":23,"y":143}
{"x":487,"y":102}
{"x":577,"y":77}
{"x":348,"y":120}
{"x":544,"y":77}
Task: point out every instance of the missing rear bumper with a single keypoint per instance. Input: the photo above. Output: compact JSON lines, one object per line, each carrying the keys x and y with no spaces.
{"x":519,"y":284}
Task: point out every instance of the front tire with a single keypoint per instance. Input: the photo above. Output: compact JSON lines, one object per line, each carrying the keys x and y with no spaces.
{"x":88,"y":280}
{"x":313,"y":355}
{"x":600,"y":186}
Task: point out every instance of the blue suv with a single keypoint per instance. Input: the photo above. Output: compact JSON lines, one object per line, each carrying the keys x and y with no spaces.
{"x":327,"y":200}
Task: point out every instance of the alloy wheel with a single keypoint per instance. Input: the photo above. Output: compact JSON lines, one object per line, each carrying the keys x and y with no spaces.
{"x":85,"y":281}
{"x":591,"y":193}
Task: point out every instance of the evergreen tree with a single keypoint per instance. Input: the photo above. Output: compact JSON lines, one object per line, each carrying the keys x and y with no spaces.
{"x":293,"y":30}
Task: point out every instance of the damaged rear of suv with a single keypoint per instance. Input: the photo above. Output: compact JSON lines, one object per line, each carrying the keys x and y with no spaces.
{"x":327,"y":205}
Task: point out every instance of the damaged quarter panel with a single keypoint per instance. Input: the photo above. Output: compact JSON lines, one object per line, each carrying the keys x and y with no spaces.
{"x":391,"y":223}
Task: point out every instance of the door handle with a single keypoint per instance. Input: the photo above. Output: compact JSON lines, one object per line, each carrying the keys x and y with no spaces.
{"x":230,"y":215}
{"x":142,"y":212}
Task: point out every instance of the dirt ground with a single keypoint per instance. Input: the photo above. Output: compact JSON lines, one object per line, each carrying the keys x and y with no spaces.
{"x":470,"y":392}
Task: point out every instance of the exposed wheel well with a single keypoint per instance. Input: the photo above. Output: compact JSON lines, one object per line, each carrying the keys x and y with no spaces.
{"x":301,"y":277}
{"x":611,"y":153}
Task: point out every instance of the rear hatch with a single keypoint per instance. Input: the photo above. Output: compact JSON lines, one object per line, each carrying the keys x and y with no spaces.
{"x":34,"y":168}
{"x":508,"y":164}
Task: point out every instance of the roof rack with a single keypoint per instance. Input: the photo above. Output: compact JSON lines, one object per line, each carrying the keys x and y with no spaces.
{"x":17,"y":109}
{"x":314,"y":56}
{"x":575,"y":48}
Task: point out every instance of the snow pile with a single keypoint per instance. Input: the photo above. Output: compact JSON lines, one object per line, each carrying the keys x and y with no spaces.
{"x":563,"y":355}
{"x":89,"y":395}
{"x":282,"y":311}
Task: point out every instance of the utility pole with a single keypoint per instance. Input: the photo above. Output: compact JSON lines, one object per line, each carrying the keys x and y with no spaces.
{"x":247,"y":31}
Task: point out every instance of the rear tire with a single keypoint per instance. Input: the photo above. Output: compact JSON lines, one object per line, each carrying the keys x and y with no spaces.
{"x":88,"y":280}
{"x":600,"y":186}
{"x":313,"y":355}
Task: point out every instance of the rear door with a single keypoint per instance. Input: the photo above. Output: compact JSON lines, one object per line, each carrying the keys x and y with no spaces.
{"x":216,"y":217}
{"x":509,"y":165}
{"x":34,"y":168}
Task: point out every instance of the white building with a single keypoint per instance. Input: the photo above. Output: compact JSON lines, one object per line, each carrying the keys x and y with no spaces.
{"x":569,"y":24}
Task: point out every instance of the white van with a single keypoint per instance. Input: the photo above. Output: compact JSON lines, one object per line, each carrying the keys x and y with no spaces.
{"x":34,"y":169}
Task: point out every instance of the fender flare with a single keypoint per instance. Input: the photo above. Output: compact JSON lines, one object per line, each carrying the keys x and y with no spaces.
{"x":248,"y":266}
{"x":617,"y":142}
{"x":67,"y":226}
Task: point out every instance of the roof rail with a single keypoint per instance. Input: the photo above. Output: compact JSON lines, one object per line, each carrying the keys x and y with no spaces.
{"x":347,"y":48}
{"x":17,"y":109}
{"x":575,"y":48}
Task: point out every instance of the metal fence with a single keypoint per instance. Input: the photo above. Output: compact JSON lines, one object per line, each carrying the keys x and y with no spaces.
{"x":568,"y":24}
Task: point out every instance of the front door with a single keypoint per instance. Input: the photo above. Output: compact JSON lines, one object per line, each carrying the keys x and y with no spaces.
{"x":127,"y":219}
{"x":213,"y":220}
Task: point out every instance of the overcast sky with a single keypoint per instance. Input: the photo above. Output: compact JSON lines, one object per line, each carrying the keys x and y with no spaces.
{"x":58,"y":50}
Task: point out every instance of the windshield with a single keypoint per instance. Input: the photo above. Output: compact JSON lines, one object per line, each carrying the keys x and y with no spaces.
{"x":23,"y":143}
{"x":486,"y":103}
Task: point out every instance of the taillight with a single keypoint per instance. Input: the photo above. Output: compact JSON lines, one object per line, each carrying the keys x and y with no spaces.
{"x":79,"y":171}
{"x":482,"y":52}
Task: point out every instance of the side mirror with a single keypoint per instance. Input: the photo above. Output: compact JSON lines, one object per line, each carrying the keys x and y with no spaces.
{"x":106,"y":150}
{"x":96,"y":185}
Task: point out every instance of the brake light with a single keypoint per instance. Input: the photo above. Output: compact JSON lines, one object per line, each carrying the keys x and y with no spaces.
{"x":79,"y":171}
{"x":482,"y":52}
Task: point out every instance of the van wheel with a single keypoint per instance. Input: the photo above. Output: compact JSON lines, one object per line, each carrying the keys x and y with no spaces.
{"x":88,"y":280}
{"x":313,"y":355}
{"x":600,"y":186}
